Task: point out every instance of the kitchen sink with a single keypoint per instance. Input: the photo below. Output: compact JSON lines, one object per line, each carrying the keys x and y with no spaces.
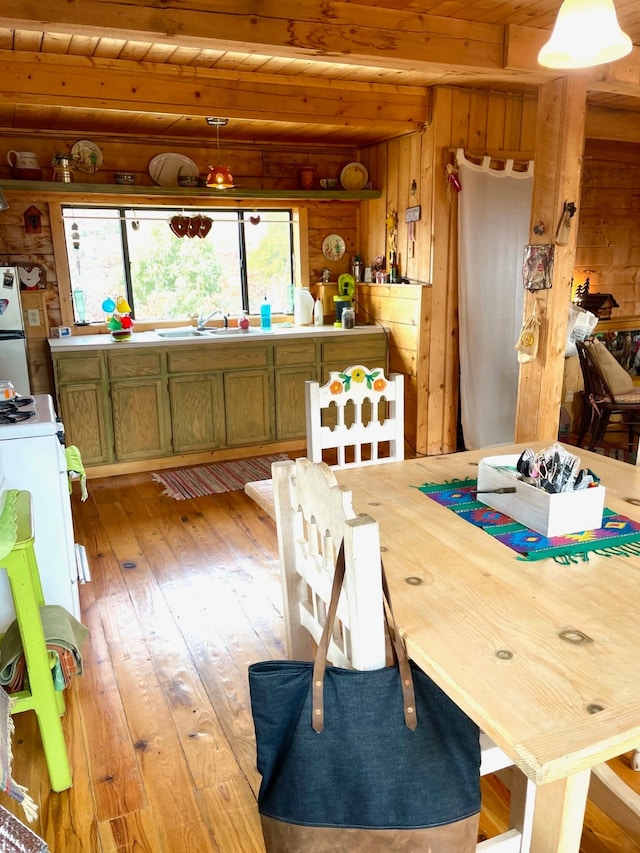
{"x":233,"y":331}
{"x":179,"y":332}
{"x":192,"y":332}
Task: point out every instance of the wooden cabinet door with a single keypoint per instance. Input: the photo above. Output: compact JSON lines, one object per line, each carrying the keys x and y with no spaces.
{"x":141,"y":426}
{"x":197,"y":412}
{"x":246,"y":407}
{"x":84,"y":409}
{"x":339,"y":353}
{"x":289,"y":401}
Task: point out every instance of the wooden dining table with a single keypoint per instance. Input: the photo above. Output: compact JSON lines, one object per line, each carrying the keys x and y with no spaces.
{"x":488,"y":628}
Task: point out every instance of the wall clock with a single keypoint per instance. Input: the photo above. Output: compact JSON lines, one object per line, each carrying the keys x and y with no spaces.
{"x":333,"y":247}
{"x":32,"y":277}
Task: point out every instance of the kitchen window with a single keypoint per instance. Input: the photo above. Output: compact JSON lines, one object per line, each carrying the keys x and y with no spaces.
{"x":231,"y":261}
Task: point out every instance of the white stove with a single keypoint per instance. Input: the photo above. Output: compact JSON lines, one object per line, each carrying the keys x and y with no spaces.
{"x":32,"y":458}
{"x":26,"y":417}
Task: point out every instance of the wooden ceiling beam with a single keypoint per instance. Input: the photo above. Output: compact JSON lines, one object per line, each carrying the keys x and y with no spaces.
{"x":105,"y":84}
{"x":612,"y":125}
{"x":322,"y":30}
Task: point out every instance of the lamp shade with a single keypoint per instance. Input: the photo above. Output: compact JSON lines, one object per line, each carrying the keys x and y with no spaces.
{"x":586,"y":33}
{"x":4,"y":204}
{"x":220,"y":177}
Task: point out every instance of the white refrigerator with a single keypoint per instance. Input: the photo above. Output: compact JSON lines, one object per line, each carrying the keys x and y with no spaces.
{"x":13,"y":346}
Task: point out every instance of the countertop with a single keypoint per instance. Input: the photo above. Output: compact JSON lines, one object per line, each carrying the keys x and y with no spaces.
{"x":278,"y":332}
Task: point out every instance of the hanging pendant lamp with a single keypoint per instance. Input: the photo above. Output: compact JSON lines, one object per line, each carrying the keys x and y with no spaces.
{"x":586,"y":33}
{"x":219,"y":177}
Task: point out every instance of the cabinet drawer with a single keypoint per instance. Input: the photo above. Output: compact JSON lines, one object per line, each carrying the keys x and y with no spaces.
{"x":285,"y":354}
{"x":216,"y":357}
{"x":354,"y":350}
{"x":126,"y":365}
{"x":80,"y":368}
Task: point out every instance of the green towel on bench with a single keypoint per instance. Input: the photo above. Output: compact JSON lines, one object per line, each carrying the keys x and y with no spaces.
{"x":60,"y":629}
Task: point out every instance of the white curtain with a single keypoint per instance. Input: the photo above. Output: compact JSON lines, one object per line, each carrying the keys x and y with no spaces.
{"x":494,"y":209}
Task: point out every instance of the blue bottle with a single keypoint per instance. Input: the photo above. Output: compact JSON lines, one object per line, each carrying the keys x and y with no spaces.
{"x":265,"y":314}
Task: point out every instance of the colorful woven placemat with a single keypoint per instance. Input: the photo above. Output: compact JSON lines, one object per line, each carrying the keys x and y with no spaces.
{"x":618,"y":535}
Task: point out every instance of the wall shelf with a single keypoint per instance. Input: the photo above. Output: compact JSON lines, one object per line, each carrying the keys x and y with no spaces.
{"x":193,"y":194}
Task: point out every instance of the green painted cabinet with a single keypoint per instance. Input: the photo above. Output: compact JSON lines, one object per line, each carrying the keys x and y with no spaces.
{"x":247,"y":407}
{"x":295,"y":362}
{"x":83,"y":404}
{"x":197,"y":412}
{"x":137,"y":405}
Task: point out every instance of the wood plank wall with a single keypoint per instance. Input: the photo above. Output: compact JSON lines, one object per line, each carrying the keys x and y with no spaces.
{"x":410,"y":171}
{"x":608,"y":251}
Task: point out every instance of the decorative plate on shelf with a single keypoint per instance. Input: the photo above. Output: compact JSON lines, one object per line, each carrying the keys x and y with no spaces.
{"x":87,"y":156}
{"x":333,"y":247}
{"x":354,"y":177}
{"x":165,"y":169}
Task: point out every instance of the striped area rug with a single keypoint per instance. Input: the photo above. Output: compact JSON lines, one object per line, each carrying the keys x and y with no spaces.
{"x":184,"y":483}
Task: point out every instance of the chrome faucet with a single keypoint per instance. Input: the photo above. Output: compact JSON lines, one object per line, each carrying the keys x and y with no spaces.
{"x":202,"y":321}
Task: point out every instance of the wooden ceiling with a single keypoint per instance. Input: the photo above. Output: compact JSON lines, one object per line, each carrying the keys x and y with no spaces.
{"x":282,"y":71}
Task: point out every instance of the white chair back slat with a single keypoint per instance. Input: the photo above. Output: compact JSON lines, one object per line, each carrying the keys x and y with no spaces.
{"x":354,"y":413}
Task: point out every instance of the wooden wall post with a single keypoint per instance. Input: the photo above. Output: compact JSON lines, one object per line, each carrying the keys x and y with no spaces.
{"x":557,"y":177}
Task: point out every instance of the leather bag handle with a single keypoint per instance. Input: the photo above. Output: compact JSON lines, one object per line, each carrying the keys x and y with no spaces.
{"x":400,"y":652}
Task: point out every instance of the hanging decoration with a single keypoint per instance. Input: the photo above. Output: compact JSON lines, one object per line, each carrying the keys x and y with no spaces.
{"x":190,"y":226}
{"x":527,"y":345}
{"x":453,"y":178}
{"x":537,"y":267}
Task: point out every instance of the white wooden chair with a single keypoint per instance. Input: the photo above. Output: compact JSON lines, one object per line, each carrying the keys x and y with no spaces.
{"x":313,"y":514}
{"x":355,"y":412}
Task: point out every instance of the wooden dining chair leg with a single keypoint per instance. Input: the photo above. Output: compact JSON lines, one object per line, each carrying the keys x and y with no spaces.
{"x":585,"y":422}
{"x":599,"y":428}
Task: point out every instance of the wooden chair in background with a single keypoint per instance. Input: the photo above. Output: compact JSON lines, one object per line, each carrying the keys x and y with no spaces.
{"x":358,"y":413}
{"x":608,"y":390}
{"x":313,"y":515}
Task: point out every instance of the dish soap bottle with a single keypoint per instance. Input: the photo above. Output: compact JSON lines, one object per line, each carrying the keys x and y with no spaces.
{"x":265,"y":314}
{"x":318,"y":313}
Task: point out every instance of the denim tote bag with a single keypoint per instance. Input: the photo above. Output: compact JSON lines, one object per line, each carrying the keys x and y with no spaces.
{"x":377,"y":760}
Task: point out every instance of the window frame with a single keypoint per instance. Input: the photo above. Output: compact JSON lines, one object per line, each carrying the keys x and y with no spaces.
{"x":299,"y":242}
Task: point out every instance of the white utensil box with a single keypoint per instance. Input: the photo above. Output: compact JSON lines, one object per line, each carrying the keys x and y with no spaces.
{"x":550,"y":515}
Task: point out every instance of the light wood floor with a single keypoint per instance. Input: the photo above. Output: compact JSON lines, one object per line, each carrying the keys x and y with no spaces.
{"x":185,"y":594}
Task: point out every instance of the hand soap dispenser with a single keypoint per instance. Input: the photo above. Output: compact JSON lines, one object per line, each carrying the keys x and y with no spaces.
{"x":265,"y":314}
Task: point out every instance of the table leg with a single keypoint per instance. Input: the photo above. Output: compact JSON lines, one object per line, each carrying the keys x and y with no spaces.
{"x":558,"y":814}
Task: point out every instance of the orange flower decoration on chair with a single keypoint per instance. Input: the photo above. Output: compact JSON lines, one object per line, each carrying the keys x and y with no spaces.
{"x":336,"y":387}
{"x":379,"y":385}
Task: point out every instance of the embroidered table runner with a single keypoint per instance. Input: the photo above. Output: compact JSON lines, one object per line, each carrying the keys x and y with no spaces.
{"x":618,"y":535}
